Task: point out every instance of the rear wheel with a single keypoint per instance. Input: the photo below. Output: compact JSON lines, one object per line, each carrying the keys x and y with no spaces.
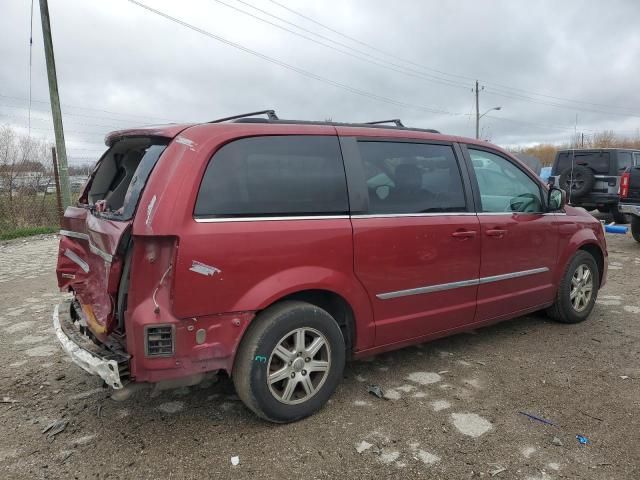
{"x":635,"y":227}
{"x":577,"y":291}
{"x":289,"y":362}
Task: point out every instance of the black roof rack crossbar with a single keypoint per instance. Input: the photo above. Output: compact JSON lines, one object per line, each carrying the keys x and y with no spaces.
{"x":396,"y":121}
{"x":271,"y":115}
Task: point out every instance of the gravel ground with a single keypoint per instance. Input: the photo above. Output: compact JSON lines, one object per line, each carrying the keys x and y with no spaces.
{"x":452,"y":412}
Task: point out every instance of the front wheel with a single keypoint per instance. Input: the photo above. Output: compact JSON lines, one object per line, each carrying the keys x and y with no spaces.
{"x":577,"y":291}
{"x":289,"y":362}
{"x":635,"y":228}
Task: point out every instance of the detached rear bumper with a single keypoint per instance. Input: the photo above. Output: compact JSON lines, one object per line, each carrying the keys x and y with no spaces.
{"x":111,"y":366}
{"x":629,"y":208}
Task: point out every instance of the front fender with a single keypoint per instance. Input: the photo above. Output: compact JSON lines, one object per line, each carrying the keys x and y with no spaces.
{"x":298,"y":279}
{"x":574,"y":237}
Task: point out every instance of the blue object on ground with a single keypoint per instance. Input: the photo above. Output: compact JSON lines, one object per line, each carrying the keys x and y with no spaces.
{"x":533,"y":417}
{"x":582,"y":439}
{"x":615,"y":229}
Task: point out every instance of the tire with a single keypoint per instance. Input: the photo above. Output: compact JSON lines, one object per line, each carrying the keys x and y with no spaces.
{"x":618,"y":216}
{"x":277,"y":326}
{"x":563,"y":310}
{"x":583,"y":181}
{"x":635,"y":227}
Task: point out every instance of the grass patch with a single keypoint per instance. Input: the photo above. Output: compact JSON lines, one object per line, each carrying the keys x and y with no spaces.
{"x":27,"y":232}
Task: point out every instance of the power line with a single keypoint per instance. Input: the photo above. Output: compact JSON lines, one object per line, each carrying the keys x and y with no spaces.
{"x":301,"y":71}
{"x":88,"y":108}
{"x":380,"y":62}
{"x":81,"y":123}
{"x":524,"y":98}
{"x":441,"y":72}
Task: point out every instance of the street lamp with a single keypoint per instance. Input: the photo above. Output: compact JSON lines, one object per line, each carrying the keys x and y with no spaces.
{"x":478,"y":117}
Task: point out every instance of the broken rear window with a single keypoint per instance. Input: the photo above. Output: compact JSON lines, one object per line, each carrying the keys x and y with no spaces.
{"x":120,"y":177}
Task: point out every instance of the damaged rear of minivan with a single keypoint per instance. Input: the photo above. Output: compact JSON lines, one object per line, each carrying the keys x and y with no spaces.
{"x":96,"y":253}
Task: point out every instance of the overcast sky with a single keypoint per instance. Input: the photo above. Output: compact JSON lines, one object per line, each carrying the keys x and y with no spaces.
{"x":119,"y":65}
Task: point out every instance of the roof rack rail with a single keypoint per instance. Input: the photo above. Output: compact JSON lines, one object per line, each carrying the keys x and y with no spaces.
{"x":335,"y":124}
{"x":271,"y":115}
{"x":396,"y":121}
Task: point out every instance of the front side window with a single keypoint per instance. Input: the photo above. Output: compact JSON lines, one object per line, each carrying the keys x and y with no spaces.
{"x":504,"y":187}
{"x":636,"y":159}
{"x":274,"y":176}
{"x":411,"y":178}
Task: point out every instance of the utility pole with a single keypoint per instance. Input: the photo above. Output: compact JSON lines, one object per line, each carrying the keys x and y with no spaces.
{"x":57,"y":180}
{"x":55,"y":104}
{"x":477,"y":111}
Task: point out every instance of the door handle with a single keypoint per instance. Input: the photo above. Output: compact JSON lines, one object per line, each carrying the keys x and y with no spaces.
{"x":496,"y":232}
{"x":462,"y":234}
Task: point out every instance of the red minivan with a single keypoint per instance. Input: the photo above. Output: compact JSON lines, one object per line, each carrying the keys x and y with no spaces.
{"x":273,"y":250}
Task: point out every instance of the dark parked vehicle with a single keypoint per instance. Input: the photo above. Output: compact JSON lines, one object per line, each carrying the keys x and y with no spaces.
{"x":591,"y":177}
{"x":630,"y":198}
{"x":274,"y":250}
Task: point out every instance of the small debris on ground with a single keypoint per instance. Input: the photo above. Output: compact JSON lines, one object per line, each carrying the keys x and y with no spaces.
{"x":582,"y":439}
{"x":556,"y":441}
{"x":8,"y":400}
{"x":538,"y":419}
{"x":376,"y":390}
{"x":497,"y":471}
{"x":235,"y":461}
{"x":55,"y":427}
{"x":363,"y":446}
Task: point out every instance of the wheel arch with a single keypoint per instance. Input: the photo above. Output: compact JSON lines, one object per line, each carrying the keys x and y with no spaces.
{"x":334,"y":304}
{"x":336,"y":292}
{"x":594,"y":250}
{"x":584,"y":239}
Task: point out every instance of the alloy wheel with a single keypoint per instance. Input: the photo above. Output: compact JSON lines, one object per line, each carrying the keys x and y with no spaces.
{"x":581,"y":288}
{"x":298,"y":366}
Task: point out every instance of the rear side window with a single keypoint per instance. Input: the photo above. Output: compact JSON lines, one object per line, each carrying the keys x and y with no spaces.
{"x":596,"y":161}
{"x":636,"y":159}
{"x":274,"y":176}
{"x":624,"y":160}
{"x":411,"y":178}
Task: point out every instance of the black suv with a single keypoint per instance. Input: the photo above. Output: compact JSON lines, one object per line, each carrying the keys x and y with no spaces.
{"x":591,"y":177}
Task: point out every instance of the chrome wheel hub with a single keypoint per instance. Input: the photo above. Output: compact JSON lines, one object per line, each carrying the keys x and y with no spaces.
{"x":298,"y":366}
{"x":581,"y":288}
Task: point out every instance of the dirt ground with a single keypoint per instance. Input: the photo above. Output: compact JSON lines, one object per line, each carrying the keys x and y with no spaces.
{"x":453,"y":409}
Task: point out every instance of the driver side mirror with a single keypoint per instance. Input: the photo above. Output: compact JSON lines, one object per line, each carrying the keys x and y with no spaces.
{"x":557,"y":199}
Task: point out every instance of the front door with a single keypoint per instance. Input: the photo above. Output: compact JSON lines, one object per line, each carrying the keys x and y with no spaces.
{"x":519,"y":240}
{"x":417,"y":243}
